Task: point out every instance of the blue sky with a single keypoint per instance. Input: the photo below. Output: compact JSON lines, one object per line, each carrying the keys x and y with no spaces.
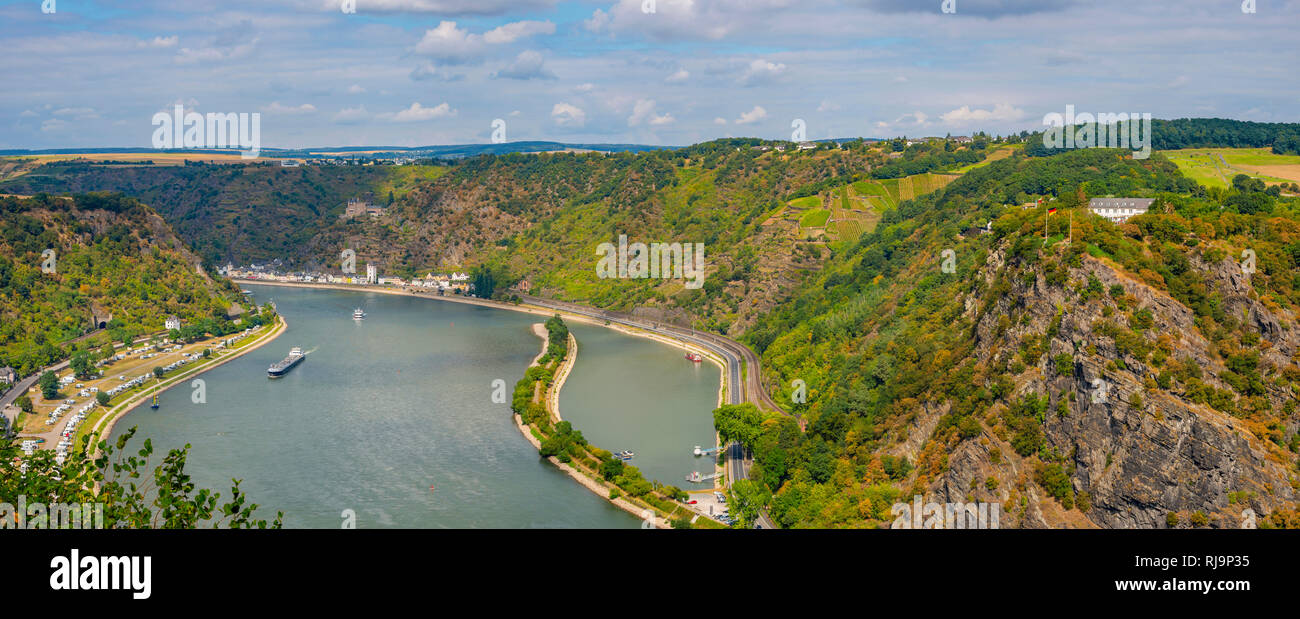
{"x":418,"y":72}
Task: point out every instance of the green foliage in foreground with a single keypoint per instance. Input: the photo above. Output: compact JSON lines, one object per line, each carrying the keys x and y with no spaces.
{"x":134,"y":496}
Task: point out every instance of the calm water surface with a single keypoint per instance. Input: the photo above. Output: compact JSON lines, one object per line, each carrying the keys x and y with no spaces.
{"x":384,"y":409}
{"x":632,"y":393}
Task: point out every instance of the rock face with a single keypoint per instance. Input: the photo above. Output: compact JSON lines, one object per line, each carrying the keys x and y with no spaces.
{"x":1139,"y":451}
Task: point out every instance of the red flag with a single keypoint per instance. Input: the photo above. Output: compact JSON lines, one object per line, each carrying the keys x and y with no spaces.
{"x":1050,"y":211}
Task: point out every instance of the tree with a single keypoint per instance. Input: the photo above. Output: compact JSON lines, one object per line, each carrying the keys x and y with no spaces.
{"x":24,"y":404}
{"x":739,"y":422}
{"x":158,"y":372}
{"x":610,"y":467}
{"x":49,"y":384}
{"x":166,"y":498}
{"x":81,"y":366}
{"x":747,"y":498}
{"x":102,"y":398}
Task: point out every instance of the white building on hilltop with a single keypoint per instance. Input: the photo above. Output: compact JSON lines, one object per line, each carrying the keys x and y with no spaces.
{"x":1117,"y":210}
{"x":173,"y":323}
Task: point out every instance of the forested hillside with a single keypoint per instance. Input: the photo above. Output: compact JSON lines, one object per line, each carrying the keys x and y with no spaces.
{"x":1140,"y":375}
{"x":232,"y":213}
{"x":539,"y":218}
{"x":115,"y":262}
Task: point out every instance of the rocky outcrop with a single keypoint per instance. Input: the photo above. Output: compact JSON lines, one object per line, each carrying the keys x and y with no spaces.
{"x":1138,"y":451}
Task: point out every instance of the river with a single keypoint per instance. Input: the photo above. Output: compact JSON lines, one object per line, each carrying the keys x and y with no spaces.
{"x":392,"y":417}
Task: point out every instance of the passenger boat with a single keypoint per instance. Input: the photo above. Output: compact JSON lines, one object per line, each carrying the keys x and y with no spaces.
{"x":155,"y":402}
{"x":624,"y":455}
{"x":357,"y":314}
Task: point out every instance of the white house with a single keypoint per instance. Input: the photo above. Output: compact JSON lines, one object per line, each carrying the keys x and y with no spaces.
{"x":173,"y":323}
{"x":1117,"y":210}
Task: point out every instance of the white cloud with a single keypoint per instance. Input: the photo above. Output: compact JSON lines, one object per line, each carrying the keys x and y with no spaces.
{"x":964,"y":114}
{"x":161,"y":42}
{"x":355,"y":89}
{"x":454,"y":45}
{"x":450,"y":44}
{"x":443,"y":7}
{"x":419,"y":113}
{"x":680,"y":76}
{"x":528,"y":65}
{"x":752,"y":116}
{"x":511,"y":32}
{"x":644,"y":112}
{"x":585,"y":87}
{"x":277,"y":108}
{"x":598,"y":22}
{"x":719,"y":121}
{"x":568,"y":115}
{"x":761,"y":72}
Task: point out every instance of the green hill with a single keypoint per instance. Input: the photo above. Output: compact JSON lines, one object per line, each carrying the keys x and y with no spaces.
{"x":116,"y":265}
{"x":982,"y":384}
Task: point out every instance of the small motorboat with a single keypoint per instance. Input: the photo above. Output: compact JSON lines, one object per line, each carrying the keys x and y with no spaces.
{"x":155,"y":403}
{"x":624,"y":455}
{"x":693,"y":357}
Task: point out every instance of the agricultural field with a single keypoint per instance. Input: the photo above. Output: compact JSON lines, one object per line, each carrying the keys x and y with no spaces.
{"x":846,"y":212}
{"x":995,"y":153}
{"x":1215,"y":167}
{"x":159,"y":158}
{"x":806,"y":202}
{"x":815,"y":218}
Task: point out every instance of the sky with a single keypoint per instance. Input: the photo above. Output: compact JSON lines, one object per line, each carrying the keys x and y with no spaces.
{"x":663,"y":72}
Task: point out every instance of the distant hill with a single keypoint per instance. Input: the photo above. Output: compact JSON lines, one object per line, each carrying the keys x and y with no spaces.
{"x":447,"y":151}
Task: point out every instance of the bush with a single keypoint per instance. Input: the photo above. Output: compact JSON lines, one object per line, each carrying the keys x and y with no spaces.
{"x":1064,"y":364}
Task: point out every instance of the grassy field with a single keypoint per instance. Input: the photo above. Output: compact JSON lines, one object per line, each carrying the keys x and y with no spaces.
{"x":996,"y":153}
{"x":1215,"y":167}
{"x":806,"y":202}
{"x":815,"y":218}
